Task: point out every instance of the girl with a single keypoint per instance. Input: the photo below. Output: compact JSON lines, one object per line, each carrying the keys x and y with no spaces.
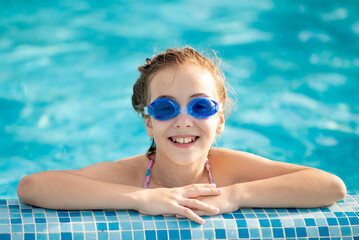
{"x":182,"y":98}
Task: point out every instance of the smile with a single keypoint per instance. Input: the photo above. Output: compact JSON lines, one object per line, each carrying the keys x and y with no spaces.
{"x":185,"y":140}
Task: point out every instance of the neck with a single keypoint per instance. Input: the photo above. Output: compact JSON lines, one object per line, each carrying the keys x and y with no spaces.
{"x":170,"y":173}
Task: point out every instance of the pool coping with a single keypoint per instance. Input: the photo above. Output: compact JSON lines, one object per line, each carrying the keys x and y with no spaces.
{"x":338,"y":221}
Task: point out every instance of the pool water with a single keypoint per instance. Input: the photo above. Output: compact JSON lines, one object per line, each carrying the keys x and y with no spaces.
{"x":66,"y":76}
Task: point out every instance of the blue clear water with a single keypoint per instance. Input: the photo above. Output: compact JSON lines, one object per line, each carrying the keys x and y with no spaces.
{"x":66,"y":76}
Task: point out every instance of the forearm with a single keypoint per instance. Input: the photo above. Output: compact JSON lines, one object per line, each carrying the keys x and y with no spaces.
{"x":61,"y":190}
{"x":303,"y":189}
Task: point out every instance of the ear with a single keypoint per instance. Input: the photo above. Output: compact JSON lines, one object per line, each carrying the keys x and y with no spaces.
{"x":149,"y":128}
{"x":221,"y":122}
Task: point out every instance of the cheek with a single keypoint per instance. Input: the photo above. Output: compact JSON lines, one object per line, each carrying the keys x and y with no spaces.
{"x":159,"y":127}
{"x":211,"y":126}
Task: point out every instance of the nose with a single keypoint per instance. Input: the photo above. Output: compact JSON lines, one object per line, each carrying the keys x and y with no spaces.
{"x":183,"y":120}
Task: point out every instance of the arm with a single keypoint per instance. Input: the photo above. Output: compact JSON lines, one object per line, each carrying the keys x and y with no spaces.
{"x":259,"y":182}
{"x":305,"y":188}
{"x":64,"y":190}
{"x":93,"y":188}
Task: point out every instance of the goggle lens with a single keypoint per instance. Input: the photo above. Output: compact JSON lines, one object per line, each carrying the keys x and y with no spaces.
{"x":202,"y":108}
{"x":162,"y":110}
{"x":165,"y":108}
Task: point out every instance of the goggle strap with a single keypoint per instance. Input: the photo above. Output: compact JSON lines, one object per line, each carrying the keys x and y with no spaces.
{"x":145,"y":111}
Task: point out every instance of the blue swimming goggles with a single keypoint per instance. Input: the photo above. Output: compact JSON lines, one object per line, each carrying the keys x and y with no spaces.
{"x":166,"y":108}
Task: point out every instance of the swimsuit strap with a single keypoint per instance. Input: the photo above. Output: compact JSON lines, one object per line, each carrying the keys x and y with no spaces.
{"x":148,"y":173}
{"x":209,"y":172}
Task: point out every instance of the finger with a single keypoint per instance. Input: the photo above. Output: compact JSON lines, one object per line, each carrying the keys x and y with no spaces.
{"x":200,"y":185}
{"x":210,"y":185}
{"x":179,"y":216}
{"x":197,"y":191}
{"x":199,"y":205}
{"x":191,"y":215}
{"x":203,"y":213}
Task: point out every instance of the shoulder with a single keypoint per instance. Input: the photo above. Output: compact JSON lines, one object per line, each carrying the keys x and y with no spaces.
{"x":227,"y":153}
{"x":227,"y":165}
{"x":223,"y":156}
{"x":127,"y":171}
{"x":240,"y":166}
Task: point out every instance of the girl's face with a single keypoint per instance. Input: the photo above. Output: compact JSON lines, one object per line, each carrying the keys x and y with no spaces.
{"x":183,"y":84}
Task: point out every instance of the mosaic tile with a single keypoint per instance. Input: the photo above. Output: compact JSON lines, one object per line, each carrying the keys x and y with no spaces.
{"x":254,"y":233}
{"x":102,"y":235}
{"x":243,"y":233}
{"x":355,"y":231}
{"x":218,"y":224}
{"x":185,"y":234}
{"x":79,"y":236}
{"x":289,"y":232}
{"x":125,"y":225}
{"x":174,"y":234}
{"x":90,"y":235}
{"x":287,"y":222}
{"x":252,"y":223}
{"x":230,"y":224}
{"x":334,"y":231}
{"x":266,"y":232}
{"x":232,"y":233}
{"x":4,"y":229}
{"x":264,"y":223}
{"x":182,"y":224}
{"x":278,"y":233}
{"x":149,"y":225}
{"x":78,"y":227}
{"x":113,"y":226}
{"x":197,"y":234}
{"x":299,"y":222}
{"x":346,"y":231}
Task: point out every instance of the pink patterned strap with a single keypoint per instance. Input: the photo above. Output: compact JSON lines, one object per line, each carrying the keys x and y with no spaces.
{"x":149,"y":169}
{"x":209,"y":172}
{"x":148,"y":174}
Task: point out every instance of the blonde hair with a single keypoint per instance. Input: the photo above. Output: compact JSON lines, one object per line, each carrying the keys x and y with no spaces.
{"x":174,"y":58}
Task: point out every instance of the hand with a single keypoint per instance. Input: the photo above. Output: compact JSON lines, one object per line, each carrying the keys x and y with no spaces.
{"x":178,"y":201}
{"x":225,"y":202}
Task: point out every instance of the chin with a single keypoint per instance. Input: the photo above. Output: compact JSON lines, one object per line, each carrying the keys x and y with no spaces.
{"x":188,"y":157}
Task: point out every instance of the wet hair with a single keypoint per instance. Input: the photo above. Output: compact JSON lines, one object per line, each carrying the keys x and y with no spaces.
{"x":176,"y":57}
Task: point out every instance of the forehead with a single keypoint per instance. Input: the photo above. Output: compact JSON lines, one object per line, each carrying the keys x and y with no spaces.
{"x":182,"y":82}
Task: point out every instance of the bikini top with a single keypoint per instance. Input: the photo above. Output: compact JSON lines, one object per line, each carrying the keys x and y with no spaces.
{"x":148,"y":174}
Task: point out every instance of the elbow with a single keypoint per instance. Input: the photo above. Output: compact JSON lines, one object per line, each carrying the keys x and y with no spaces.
{"x":341,"y":189}
{"x":338,"y":190}
{"x":25,"y":188}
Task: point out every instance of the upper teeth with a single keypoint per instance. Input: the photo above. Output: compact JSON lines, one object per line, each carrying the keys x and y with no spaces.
{"x":183,"y":140}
